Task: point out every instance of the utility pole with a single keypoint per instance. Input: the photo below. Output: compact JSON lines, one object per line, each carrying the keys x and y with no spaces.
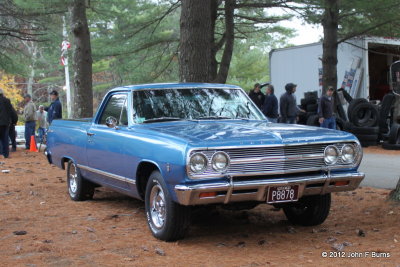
{"x":64,"y":60}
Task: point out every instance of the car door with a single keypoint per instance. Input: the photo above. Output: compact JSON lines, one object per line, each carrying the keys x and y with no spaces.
{"x":104,"y":143}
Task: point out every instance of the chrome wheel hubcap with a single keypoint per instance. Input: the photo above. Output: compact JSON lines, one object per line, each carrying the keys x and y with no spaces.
{"x":73,"y":176}
{"x":157,"y":206}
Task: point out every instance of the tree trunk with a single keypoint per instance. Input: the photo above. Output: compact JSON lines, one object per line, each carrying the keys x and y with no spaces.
{"x":229,"y":41}
{"x":395,"y":194}
{"x":82,"y":66}
{"x":330,"y":44}
{"x":195,"y":46}
{"x":214,"y":50}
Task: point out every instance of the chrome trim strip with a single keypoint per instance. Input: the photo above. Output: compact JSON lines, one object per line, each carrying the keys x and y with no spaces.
{"x":108,"y":174}
{"x":276,"y":158}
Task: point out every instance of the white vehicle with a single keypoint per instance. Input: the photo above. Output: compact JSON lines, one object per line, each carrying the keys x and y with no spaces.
{"x":20,"y":129}
{"x":364,"y":61}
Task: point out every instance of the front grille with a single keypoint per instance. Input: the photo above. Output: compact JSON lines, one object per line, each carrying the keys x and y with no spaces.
{"x":271,"y":160}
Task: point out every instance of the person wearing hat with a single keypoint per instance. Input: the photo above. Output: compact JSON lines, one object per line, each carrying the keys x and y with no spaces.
{"x":55,"y":109}
{"x":5,"y":121}
{"x":30,"y":120}
{"x":288,"y":105}
{"x":41,"y":116}
{"x":257,"y":96}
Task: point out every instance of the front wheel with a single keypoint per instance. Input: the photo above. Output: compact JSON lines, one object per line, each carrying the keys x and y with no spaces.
{"x":78,"y":188}
{"x":167,"y":220}
{"x":309,"y":210}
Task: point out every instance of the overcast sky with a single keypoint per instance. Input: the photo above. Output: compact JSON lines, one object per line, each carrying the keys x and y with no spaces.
{"x":306,"y":33}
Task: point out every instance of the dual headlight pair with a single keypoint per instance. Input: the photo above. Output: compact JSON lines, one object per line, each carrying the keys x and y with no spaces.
{"x":219,"y":162}
{"x":347,"y":154}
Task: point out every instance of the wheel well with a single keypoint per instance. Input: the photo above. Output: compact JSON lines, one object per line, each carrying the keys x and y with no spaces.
{"x":142,"y":176}
{"x":63,"y":161}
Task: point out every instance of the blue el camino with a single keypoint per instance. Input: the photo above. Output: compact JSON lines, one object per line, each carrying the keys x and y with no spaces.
{"x":180,"y":145}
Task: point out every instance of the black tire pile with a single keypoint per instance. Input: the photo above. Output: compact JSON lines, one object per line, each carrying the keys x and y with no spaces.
{"x":310,"y":104}
{"x":369,"y":122}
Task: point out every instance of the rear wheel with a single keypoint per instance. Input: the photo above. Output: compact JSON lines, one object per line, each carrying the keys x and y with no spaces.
{"x":167,"y":219}
{"x":78,"y":188}
{"x":309,"y":210}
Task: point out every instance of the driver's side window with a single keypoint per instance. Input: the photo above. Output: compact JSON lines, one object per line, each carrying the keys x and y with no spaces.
{"x":114,"y":108}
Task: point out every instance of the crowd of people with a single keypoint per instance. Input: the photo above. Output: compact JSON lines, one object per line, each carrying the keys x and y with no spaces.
{"x":287,"y":111}
{"x":9,"y":119}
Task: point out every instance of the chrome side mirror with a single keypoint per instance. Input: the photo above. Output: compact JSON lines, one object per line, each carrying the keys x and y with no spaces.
{"x":111,"y":122}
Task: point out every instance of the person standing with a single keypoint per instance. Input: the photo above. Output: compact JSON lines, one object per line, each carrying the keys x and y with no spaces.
{"x":30,"y":117}
{"x":12,"y":133}
{"x":257,"y":96}
{"x":55,"y":109}
{"x":41,"y":116}
{"x":5,"y":121}
{"x":270,"y":106}
{"x":325,"y":110}
{"x":288,"y":105}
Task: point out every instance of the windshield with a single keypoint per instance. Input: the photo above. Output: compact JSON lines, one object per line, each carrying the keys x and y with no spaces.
{"x":193,"y":104}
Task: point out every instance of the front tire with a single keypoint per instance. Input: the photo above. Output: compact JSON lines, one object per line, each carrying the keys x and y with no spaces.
{"x":167,"y":219}
{"x":79,"y":189}
{"x":309,"y":210}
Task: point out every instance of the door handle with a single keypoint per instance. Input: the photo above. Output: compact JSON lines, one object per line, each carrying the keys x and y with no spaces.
{"x":90,"y":134}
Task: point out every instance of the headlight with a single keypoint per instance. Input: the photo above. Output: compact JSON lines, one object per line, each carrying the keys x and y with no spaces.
{"x":198,"y":162}
{"x":220,"y":161}
{"x":348,"y":153}
{"x":331,"y":155}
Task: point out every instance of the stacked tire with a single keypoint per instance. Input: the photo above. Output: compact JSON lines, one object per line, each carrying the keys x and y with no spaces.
{"x":364,"y":119}
{"x":393,"y":142}
{"x":310,"y":104}
{"x":385,"y":118}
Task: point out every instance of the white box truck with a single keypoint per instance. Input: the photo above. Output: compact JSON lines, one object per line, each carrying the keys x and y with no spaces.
{"x":363,"y":66}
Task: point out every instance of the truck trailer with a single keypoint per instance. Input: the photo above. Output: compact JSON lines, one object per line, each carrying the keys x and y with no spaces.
{"x":363,"y":66}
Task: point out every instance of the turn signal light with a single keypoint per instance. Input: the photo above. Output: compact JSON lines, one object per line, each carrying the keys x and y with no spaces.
{"x":341,"y":183}
{"x":208,"y":194}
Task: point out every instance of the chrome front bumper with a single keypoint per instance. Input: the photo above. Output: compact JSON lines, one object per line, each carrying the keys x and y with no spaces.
{"x":256,"y":190}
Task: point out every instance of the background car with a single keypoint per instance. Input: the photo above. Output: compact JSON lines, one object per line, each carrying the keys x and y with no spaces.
{"x":20,"y":129}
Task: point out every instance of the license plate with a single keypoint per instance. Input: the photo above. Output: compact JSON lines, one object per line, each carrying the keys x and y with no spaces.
{"x":286,"y":193}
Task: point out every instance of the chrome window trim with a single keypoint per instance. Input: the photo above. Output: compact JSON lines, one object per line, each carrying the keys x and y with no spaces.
{"x":356,"y":163}
{"x":108,"y":174}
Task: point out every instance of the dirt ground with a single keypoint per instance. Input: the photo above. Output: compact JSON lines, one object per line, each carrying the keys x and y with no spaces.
{"x":111,"y":230}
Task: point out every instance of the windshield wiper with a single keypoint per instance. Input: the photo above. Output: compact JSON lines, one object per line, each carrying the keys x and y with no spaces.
{"x":160,"y":119}
{"x":212,"y":118}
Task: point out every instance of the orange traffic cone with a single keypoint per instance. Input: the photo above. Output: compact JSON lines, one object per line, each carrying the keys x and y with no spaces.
{"x":32,"y":146}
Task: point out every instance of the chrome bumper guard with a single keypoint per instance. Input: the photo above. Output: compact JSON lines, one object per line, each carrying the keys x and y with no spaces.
{"x":256,"y":190}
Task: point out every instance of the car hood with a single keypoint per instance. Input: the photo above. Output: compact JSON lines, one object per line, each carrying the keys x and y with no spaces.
{"x":226,"y":133}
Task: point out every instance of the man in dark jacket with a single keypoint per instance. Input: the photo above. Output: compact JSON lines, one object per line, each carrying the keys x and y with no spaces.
{"x":270,"y":107}
{"x":12,"y":133}
{"x":55,"y":109}
{"x":325,"y":110}
{"x":5,"y":121}
{"x":288,"y":105}
{"x":257,"y":96}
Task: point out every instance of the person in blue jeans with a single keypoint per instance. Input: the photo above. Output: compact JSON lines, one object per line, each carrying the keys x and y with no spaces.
{"x":325,"y":110}
{"x":30,"y":120}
